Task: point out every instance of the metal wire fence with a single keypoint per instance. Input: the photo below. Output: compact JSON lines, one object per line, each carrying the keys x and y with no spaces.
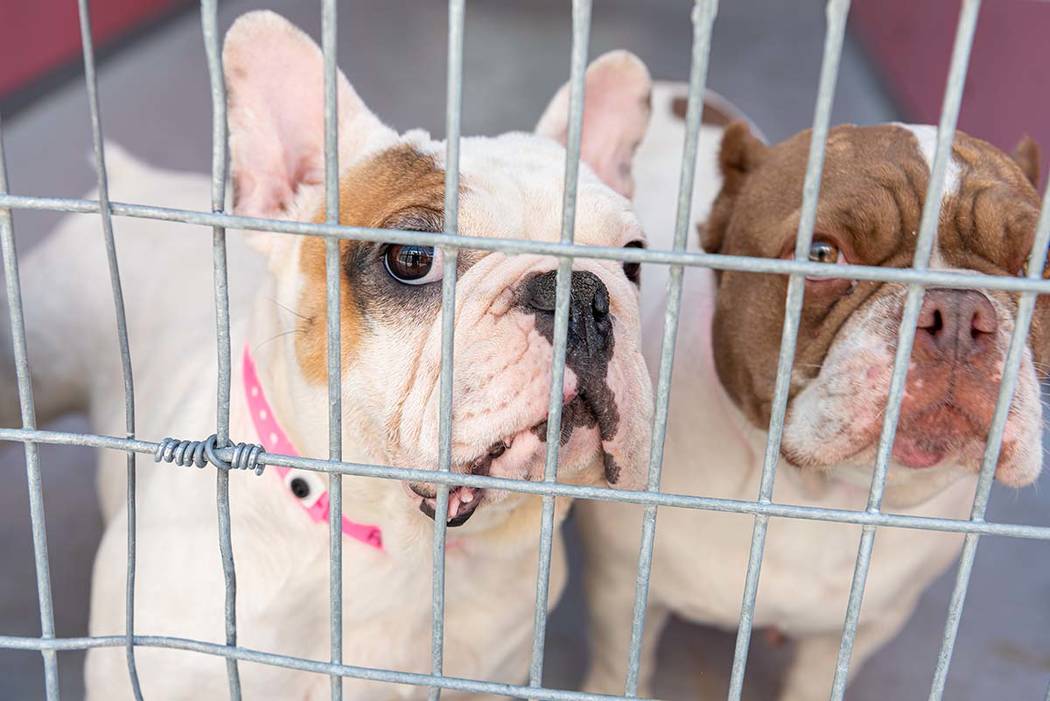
{"x":225,"y":456}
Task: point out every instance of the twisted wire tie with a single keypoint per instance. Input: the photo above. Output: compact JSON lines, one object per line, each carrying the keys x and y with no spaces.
{"x":200,"y":453}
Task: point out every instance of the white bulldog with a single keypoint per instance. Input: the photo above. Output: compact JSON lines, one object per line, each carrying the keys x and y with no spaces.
{"x":511,"y":187}
{"x":871,"y":198}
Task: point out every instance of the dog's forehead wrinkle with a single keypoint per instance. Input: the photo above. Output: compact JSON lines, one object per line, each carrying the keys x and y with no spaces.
{"x":988,"y":207}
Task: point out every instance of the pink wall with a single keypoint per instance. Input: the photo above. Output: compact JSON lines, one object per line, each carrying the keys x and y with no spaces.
{"x":37,"y":36}
{"x":1007,"y":90}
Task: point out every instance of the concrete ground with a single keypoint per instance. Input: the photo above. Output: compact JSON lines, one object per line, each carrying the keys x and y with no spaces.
{"x":765,"y":58}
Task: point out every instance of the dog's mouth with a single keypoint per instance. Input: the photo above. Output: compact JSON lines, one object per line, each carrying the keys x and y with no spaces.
{"x":927,"y":437}
{"x":462,"y":501}
{"x":518,"y":455}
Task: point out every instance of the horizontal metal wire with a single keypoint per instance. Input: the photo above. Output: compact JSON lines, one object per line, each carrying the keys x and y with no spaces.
{"x":928,"y":278}
{"x":685,"y":501}
{"x":302,"y":664}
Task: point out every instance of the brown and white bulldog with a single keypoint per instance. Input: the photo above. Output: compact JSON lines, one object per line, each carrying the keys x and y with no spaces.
{"x":511,"y":187}
{"x":872,"y":193}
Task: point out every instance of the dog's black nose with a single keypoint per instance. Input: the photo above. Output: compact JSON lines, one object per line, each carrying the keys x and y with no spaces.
{"x":590,"y":328}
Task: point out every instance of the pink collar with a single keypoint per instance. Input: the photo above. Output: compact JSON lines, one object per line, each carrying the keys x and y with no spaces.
{"x":304,"y":486}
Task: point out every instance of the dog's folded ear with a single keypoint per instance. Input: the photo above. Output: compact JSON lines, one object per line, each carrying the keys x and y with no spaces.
{"x":615,"y":116}
{"x":275,"y":87}
{"x":1026,"y":155}
{"x":740,"y":154}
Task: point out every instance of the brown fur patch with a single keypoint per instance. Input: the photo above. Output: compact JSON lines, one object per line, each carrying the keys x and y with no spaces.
{"x":990,"y":224}
{"x":710,"y":115}
{"x":1026,"y":155}
{"x":373,"y":194}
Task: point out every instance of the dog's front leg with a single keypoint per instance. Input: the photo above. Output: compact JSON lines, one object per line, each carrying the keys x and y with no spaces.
{"x":811,"y":673}
{"x":611,"y":605}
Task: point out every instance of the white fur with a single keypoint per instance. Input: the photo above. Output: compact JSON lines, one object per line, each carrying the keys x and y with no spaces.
{"x":281,"y":556}
{"x":926,"y":136}
{"x":700,"y":557}
{"x":512,"y":187}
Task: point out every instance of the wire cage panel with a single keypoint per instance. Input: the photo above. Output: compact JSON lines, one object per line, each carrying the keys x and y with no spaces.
{"x":225,"y":456}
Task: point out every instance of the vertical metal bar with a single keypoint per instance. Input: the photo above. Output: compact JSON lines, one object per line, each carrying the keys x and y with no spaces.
{"x":209,"y":29}
{"x":1011,"y":367}
{"x":333,"y":277}
{"x":122,"y":331}
{"x":25,"y":401}
{"x":906,"y":334}
{"x":581,"y":30}
{"x":453,"y":109}
{"x":1048,"y":692}
{"x":703,"y":17}
{"x":836,"y":12}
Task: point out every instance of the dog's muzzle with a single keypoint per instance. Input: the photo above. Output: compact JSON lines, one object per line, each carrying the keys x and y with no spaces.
{"x":462,"y":501}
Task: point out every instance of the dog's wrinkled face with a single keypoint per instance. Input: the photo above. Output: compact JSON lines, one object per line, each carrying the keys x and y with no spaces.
{"x":871,"y":199}
{"x":510,"y":187}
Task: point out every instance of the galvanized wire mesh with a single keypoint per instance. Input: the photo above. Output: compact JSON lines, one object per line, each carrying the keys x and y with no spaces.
{"x":917,"y":278}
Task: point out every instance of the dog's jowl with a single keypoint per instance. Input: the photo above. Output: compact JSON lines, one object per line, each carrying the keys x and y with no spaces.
{"x":871,"y":198}
{"x":511,"y":187}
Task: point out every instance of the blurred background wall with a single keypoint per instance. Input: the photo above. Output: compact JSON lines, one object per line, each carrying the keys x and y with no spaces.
{"x":1006,"y":93}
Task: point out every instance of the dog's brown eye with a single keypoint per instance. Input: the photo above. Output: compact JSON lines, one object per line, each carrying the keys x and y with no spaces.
{"x":823,"y":252}
{"x":633,"y":271}
{"x":413,"y":265}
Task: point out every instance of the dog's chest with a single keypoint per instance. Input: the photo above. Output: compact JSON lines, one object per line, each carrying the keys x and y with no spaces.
{"x":806,"y":573}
